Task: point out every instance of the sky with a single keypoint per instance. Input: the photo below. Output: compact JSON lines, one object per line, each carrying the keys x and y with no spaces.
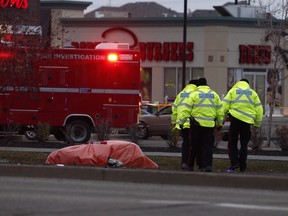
{"x":176,"y":5}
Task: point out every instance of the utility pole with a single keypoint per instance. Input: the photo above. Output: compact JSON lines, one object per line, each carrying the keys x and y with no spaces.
{"x":184,"y":45}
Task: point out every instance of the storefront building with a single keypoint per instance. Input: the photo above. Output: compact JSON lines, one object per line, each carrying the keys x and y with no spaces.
{"x":223,"y":50}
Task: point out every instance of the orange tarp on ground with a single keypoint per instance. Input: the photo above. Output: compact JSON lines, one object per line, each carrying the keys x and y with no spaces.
{"x":98,"y":154}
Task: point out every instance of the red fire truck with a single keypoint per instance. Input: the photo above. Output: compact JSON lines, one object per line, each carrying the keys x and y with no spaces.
{"x":71,"y":90}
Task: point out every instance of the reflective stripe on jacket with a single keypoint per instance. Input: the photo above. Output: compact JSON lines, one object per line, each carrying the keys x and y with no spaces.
{"x":180,"y":101}
{"x":205,"y":107}
{"x":243,"y":103}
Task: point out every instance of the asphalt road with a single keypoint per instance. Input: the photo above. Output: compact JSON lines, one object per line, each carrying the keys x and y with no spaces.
{"x":39,"y":196}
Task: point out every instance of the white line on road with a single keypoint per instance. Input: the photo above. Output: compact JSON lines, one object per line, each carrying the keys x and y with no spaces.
{"x":174,"y":202}
{"x":225,"y":205}
{"x":256,"y":207}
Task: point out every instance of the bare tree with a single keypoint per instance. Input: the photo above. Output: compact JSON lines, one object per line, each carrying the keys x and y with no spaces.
{"x":274,"y":21}
{"x":17,"y":67}
{"x":23,"y":46}
{"x":18,"y":31}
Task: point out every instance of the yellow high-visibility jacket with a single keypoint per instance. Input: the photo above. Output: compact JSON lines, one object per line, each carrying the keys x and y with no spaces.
{"x":180,"y":101}
{"x":205,"y":107}
{"x":243,"y":103}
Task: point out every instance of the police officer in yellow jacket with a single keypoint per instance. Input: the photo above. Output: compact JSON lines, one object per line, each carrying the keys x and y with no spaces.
{"x":180,"y":101}
{"x":245,"y":109}
{"x":205,"y":111}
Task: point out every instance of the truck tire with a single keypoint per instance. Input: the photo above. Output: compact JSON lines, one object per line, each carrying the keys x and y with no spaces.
{"x":79,"y":132}
{"x":30,"y":135}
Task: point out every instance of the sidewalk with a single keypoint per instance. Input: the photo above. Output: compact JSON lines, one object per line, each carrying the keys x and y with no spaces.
{"x":222,"y":156}
{"x":222,"y":145}
{"x":162,"y":154}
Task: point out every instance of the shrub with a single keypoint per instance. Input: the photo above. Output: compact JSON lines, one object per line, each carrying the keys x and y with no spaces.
{"x":133,"y":133}
{"x":8,"y":132}
{"x":103,"y":130}
{"x":256,"y":139}
{"x":43,"y":131}
{"x":173,"y":137}
{"x":281,"y":132}
{"x":218,"y":135}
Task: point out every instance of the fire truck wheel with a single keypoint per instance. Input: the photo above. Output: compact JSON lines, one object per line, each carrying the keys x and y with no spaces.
{"x":79,"y":132}
{"x":30,"y":135}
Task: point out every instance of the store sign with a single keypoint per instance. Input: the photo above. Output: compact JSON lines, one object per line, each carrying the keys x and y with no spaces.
{"x":20,"y":4}
{"x":254,"y":54}
{"x":167,"y":51}
{"x":150,"y":51}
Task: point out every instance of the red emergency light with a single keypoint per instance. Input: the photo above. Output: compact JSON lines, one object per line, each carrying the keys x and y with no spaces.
{"x":4,"y":55}
{"x":112,"y":57}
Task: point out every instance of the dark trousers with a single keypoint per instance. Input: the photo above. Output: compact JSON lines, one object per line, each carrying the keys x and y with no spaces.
{"x":185,"y":133}
{"x":238,"y":127}
{"x":201,"y":146}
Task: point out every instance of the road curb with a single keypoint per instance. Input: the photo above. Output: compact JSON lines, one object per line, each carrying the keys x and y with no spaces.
{"x":161,"y":154}
{"x":147,"y":176}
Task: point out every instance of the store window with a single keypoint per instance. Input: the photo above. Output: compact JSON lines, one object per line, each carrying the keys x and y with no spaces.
{"x":146,"y":83}
{"x":263,"y":84}
{"x":256,"y":78}
{"x":173,"y":80}
{"x":261,"y":81}
{"x":170,"y":83}
{"x":273,"y":81}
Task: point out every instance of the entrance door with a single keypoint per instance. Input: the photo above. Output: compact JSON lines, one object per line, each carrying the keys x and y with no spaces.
{"x":257,"y":82}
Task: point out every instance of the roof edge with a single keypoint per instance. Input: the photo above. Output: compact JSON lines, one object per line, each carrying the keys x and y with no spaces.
{"x":65,"y":5}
